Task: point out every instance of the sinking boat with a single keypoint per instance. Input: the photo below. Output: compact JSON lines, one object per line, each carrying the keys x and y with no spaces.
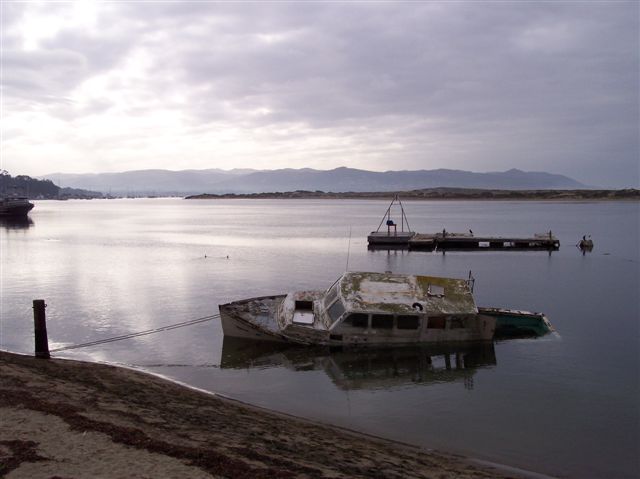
{"x":364,"y":308}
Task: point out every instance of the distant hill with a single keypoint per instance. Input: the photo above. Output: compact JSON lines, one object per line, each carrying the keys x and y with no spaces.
{"x":215,"y":181}
{"x":443,"y":194}
{"x":22,"y":185}
{"x":33,"y":188}
{"x":148,"y":182}
{"x":347,"y":179}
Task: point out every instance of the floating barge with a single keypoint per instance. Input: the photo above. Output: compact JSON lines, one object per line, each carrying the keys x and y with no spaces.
{"x":444,"y":240}
{"x":461,"y":241}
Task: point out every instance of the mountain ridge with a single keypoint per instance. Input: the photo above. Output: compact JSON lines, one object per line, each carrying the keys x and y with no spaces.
{"x":342,"y":179}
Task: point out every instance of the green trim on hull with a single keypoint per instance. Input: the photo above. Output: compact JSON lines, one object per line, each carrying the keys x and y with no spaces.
{"x":518,"y":324}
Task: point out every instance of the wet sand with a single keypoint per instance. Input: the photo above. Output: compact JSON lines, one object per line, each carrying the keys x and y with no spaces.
{"x":70,"y":419}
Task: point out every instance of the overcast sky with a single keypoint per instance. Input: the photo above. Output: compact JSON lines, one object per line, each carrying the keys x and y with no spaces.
{"x":480,"y":86}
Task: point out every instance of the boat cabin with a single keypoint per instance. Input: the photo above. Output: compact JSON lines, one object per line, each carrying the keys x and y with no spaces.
{"x":386,"y":308}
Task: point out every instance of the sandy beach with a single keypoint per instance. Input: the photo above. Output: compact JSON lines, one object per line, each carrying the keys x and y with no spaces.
{"x":70,"y":419}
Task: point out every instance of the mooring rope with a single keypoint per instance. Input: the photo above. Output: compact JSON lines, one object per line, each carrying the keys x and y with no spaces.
{"x":139,"y":333}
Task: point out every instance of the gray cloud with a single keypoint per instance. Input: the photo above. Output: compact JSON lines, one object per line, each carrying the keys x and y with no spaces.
{"x":481,"y":86}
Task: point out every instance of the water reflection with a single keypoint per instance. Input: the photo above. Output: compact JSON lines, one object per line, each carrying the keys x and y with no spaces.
{"x":16,"y":223}
{"x":365,"y":368}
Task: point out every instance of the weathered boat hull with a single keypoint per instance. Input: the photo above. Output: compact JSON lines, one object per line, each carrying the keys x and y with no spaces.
{"x":365,"y":308}
{"x":256,"y":319}
{"x":514,"y":323}
{"x":252,"y":319}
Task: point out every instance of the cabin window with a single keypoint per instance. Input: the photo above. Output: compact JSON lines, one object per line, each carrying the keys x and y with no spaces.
{"x":437,"y":322}
{"x":357,"y":320}
{"x":331,"y":296}
{"x":408,"y":322}
{"x":335,"y":311}
{"x":381,"y":321}
{"x":304,"y":305}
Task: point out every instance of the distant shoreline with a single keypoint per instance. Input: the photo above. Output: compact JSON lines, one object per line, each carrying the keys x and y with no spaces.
{"x":441,"y":194}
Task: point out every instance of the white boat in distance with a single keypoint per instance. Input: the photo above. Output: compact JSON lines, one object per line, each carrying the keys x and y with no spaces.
{"x":364,"y":308}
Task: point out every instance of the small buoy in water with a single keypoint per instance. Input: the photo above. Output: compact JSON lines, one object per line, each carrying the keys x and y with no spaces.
{"x":585,"y":244}
{"x":227,"y":256}
{"x":205,"y":255}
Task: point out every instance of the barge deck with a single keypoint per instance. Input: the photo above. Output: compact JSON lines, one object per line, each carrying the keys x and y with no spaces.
{"x":444,"y":240}
{"x":462,"y":241}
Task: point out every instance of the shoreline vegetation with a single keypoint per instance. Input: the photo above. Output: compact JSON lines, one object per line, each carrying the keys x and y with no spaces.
{"x":65,"y":418}
{"x":441,"y":194}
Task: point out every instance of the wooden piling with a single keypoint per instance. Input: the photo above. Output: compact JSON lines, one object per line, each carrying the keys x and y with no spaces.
{"x":40,"y":329}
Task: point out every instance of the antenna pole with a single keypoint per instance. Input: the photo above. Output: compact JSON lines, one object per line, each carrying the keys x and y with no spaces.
{"x":404,"y":215}
{"x":348,"y":250}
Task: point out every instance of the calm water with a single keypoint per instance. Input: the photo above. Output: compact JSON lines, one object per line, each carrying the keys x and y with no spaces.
{"x":564,"y":405}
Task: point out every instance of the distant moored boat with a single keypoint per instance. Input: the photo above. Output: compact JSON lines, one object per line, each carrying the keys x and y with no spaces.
{"x":15,"y":206}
